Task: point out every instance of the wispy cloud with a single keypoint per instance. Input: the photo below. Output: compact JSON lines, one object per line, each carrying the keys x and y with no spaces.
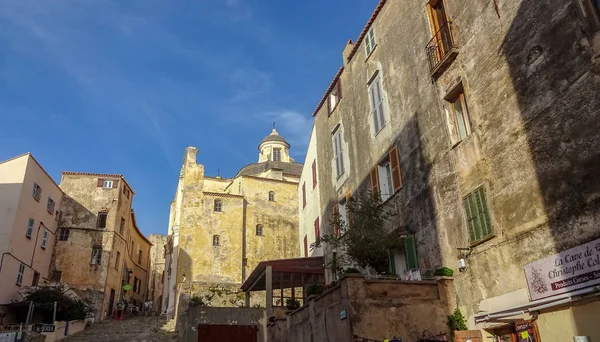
{"x":249,"y":82}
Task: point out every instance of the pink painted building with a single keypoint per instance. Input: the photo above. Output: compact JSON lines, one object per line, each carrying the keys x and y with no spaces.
{"x":29,"y":210}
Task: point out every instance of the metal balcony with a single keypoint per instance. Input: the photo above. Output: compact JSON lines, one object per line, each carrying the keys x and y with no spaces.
{"x":441,"y":50}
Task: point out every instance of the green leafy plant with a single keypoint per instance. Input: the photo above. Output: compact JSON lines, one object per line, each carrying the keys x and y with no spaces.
{"x":196,"y":300}
{"x":68,"y":307}
{"x":444,"y":272}
{"x":315,"y":289}
{"x":456,"y":321}
{"x":292,"y":304}
{"x":366,"y":241}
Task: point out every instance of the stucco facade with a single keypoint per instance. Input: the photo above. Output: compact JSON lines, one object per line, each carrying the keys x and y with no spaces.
{"x":99,"y":248}
{"x":30,"y":203}
{"x":309,"y":202}
{"x":220,"y":229}
{"x":493,"y":115}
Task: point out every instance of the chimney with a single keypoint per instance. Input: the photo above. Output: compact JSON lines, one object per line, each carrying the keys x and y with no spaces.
{"x":347,"y":49}
{"x":190,"y":155}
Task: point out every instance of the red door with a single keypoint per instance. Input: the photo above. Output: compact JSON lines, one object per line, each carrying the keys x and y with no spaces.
{"x":229,"y":333}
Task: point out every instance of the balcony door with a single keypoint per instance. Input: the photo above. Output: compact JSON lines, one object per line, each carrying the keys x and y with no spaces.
{"x":440,"y":27}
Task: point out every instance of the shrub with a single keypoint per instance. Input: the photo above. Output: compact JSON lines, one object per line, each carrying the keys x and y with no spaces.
{"x":456,"y":321}
{"x":196,"y":301}
{"x":351,"y":270}
{"x":292,"y":304}
{"x":444,"y":272}
{"x":44,"y":297}
{"x":315,"y":289}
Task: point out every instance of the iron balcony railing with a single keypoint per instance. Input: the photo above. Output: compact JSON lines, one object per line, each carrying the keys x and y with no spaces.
{"x":440,"y":45}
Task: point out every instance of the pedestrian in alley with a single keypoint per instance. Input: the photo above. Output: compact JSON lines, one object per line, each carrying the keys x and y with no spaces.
{"x":120,"y":310}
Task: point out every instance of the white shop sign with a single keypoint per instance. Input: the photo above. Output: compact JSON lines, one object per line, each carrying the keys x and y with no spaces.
{"x":572,"y":269}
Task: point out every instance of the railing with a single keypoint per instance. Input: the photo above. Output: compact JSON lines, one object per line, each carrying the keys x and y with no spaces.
{"x":440,"y":45}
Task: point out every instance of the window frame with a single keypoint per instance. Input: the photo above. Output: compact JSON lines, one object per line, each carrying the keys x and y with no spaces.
{"x":44,"y":242}
{"x":140,"y":255}
{"x":271,"y":196}
{"x":216,"y":240}
{"x":50,"y":205}
{"x":106,"y":183}
{"x":30,"y":225}
{"x":63,"y":234}
{"x":259,"y":230}
{"x":385,"y":178}
{"x":118,"y":260}
{"x":338,"y":152}
{"x":122,"y":226}
{"x":20,"y":274}
{"x":314,"y":173}
{"x":99,"y":219}
{"x":334,"y":97}
{"x":378,"y":110}
{"x":36,"y":279}
{"x":218,"y":206}
{"x":96,"y":255}
{"x":303,"y":195}
{"x":37,"y":191}
{"x":454,"y":96}
{"x":483,"y":205}
{"x":276,"y":154}
{"x":370,"y":41}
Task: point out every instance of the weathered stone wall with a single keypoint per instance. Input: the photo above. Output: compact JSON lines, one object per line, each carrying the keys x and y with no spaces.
{"x":375,"y":309}
{"x":157,"y":268}
{"x":530,"y":76}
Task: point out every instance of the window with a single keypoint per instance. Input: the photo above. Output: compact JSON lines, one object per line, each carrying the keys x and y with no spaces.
{"x":314,"y":173}
{"x":101,"y":222}
{"x":140,"y":257}
{"x":303,"y":195}
{"x":376,"y":102}
{"x":44,"y":239}
{"x":216,"y":240}
{"x":63,"y":234}
{"x":56,"y":276}
{"x":20,"y":274}
{"x":478,"y":218}
{"x":341,"y":221}
{"x":259,"y":229}
{"x":118,"y":261}
{"x":122,"y":226}
{"x":338,"y":152}
{"x":36,"y":279}
{"x":385,"y":177}
{"x":96,"y":255}
{"x":459,"y":114}
{"x":317,"y":229}
{"x":335,"y":95}
{"x":272,"y":196}
{"x":37,"y":192}
{"x":276,"y":154}
{"x":135,"y":284}
{"x":218,"y":205}
{"x":57,"y":217}
{"x":50,"y":205}
{"x":107,"y":184}
{"x":126,"y":191}
{"x":29,"y":228}
{"x":370,"y":41}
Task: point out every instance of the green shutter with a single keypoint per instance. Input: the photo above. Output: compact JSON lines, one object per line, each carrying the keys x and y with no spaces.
{"x":411,"y":252}
{"x":478,"y":218}
{"x":486,"y":227}
{"x":470,"y":218}
{"x":392,"y":263}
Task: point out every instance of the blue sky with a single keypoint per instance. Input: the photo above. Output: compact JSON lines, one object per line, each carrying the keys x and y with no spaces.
{"x":124,"y":86}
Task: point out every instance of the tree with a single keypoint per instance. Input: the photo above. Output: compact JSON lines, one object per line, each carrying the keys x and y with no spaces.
{"x":366,"y":241}
{"x":44,"y":297}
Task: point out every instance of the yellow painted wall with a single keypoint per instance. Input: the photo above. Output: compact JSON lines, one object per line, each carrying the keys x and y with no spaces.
{"x":562,"y":325}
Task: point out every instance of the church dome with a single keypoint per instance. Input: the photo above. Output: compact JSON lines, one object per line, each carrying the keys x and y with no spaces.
{"x":274,"y":137}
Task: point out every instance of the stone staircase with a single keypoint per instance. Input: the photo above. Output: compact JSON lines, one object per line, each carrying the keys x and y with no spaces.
{"x":134,"y":329}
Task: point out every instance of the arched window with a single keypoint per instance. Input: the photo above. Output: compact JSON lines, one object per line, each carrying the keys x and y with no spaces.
{"x":272,"y":196}
{"x":259,"y":229}
{"x":216,"y":241}
{"x":218,"y":205}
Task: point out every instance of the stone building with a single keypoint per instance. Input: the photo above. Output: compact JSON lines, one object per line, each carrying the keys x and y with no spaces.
{"x":309,"y":205}
{"x":29,"y":209}
{"x":221,"y":228}
{"x":100,"y":251}
{"x":157,"y":270}
{"x":477,"y":122}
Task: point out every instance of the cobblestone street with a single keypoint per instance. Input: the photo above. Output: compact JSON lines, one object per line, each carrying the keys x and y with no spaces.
{"x":134,"y":329}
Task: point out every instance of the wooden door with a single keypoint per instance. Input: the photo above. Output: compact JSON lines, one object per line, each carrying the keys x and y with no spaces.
{"x":229,"y":333}
{"x":111,"y":302}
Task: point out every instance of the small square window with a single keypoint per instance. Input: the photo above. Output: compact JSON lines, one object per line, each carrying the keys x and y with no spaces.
{"x":50,"y":205}
{"x":63,"y":234}
{"x":369,"y":41}
{"x":272,"y":196}
{"x":29,"y":228}
{"x":276,"y":154}
{"x":458,"y":113}
{"x":216,"y":240}
{"x":36,"y":279}
{"x":334,"y":97}
{"x":107,"y":184}
{"x":37,"y":192}
{"x":218,"y":205}
{"x":44,"y":239}
{"x":259,"y":229}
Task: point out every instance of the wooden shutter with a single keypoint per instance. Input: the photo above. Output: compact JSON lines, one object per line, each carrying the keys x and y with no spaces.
{"x":470,"y":217}
{"x":410,"y":249}
{"x":305,"y":246}
{"x":115,"y":183}
{"x":339,"y":88}
{"x":317,"y":229}
{"x":392,"y":262}
{"x":482,"y":210}
{"x":314,"y":173}
{"x":336,"y":220}
{"x":303,"y":195}
{"x":395,"y":165}
{"x":100,"y":182}
{"x":375,"y":181}
{"x":329,"y":103}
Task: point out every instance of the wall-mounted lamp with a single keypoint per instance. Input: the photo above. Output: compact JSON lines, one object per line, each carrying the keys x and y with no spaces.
{"x":462,"y":261}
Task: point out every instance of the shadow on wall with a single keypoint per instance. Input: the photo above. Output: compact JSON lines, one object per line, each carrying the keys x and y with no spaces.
{"x":550,"y":58}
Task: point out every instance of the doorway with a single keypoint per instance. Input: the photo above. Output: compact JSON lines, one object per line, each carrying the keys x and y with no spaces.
{"x":111,"y":302}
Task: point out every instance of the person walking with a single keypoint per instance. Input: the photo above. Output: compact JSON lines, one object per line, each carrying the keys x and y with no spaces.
{"x":120,"y":310}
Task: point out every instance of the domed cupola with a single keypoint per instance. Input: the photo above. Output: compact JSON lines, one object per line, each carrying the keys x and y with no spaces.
{"x":274,"y":148}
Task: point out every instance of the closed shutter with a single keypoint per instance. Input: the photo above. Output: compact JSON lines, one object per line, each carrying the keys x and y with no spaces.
{"x":372,"y":100}
{"x":340,"y":154}
{"x":392,"y":262}
{"x":303,"y":195}
{"x":328,"y":104}
{"x":471,"y":217}
{"x":305,"y":246}
{"x":411,"y":252}
{"x":317,"y":229}
{"x":100,"y":182}
{"x":314,"y":173}
{"x":336,"y":220}
{"x":395,"y":165}
{"x":484,"y":216}
{"x":339,"y":88}
{"x":374,"y":181}
{"x":379,"y":99}
{"x":115,"y":183}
